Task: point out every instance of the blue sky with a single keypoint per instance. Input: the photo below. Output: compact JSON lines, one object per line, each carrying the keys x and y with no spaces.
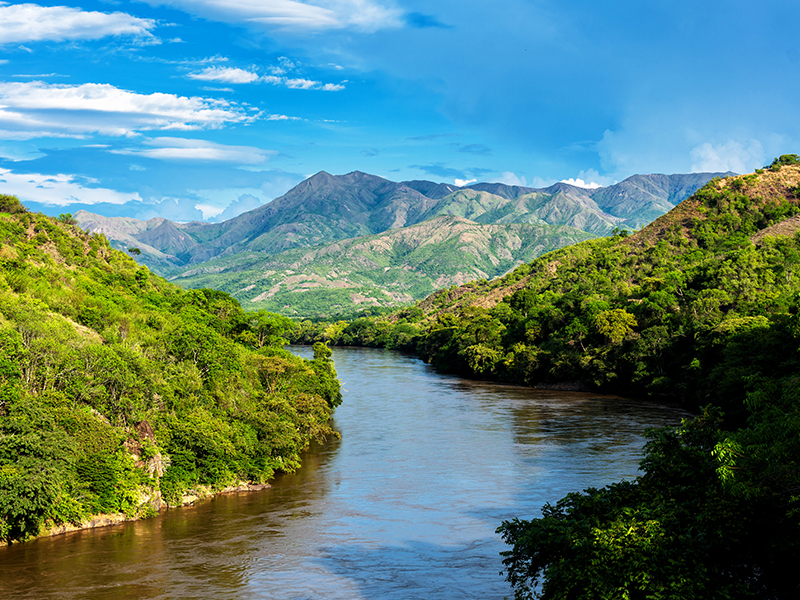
{"x":200,"y":109}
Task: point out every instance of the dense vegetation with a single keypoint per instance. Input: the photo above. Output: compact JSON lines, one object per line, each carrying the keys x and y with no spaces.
{"x":120,"y":392}
{"x":702,"y":306}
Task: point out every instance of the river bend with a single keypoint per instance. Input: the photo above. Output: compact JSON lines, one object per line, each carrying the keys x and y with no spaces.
{"x":404,"y":507}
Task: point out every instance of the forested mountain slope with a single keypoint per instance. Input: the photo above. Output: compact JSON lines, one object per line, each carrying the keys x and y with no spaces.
{"x":633,"y":314}
{"x":393,"y":268}
{"x":260,"y":257}
{"x":702,"y":306}
{"x":122,"y":393}
{"x":326,"y":208}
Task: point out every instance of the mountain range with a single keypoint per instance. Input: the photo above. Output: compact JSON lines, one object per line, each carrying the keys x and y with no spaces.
{"x":333,"y":243}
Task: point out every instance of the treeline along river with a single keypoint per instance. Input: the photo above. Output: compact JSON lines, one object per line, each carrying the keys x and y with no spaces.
{"x":405,"y":506}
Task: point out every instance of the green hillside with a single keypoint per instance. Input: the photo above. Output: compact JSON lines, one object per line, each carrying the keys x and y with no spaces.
{"x":702,"y":307}
{"x":121,"y":393}
{"x":391,"y":269}
{"x":279,"y":256}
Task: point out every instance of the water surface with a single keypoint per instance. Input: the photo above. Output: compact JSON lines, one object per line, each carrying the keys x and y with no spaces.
{"x":405,"y":506}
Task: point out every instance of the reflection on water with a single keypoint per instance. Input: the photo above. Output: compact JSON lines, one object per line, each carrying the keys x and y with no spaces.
{"x":404,"y":506}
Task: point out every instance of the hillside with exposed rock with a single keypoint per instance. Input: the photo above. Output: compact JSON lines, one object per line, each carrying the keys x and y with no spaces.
{"x":236,"y":255}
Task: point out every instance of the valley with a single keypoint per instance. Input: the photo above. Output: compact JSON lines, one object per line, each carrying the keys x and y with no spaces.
{"x":342,"y":245}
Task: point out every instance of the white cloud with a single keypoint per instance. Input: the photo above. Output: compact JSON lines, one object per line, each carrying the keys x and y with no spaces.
{"x":581,"y":183}
{"x":463,"y":182}
{"x":303,"y":84}
{"x":244,"y":203}
{"x":32,"y":23}
{"x":181,"y":210}
{"x":57,"y":190}
{"x":292,"y":15}
{"x":299,"y":83}
{"x":225,"y":75}
{"x":35,"y":107}
{"x":728,"y":156}
{"x":283,"y":118}
{"x":30,"y":134}
{"x":209,"y":212}
{"x":37,"y":76}
{"x":169,"y":148}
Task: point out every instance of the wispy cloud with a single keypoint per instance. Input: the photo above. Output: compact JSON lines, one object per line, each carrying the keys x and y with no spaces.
{"x":278,"y":75}
{"x":291,"y":15}
{"x":731,"y":155}
{"x":283,"y":118}
{"x":431,"y":137}
{"x":510,"y":178}
{"x":34,"y":107}
{"x":37,"y":76}
{"x":181,"y":149}
{"x":440,"y":170}
{"x":225,"y":75}
{"x":21,"y":23}
{"x":299,"y":83}
{"x":422,"y":21}
{"x":58,"y":189}
{"x":478,"y":149}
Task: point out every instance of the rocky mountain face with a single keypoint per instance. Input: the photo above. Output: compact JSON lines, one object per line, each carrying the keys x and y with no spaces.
{"x":326,"y":209}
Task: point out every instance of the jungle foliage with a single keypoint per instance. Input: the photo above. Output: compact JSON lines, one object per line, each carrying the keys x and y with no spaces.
{"x":702,"y":307}
{"x":118,"y":389}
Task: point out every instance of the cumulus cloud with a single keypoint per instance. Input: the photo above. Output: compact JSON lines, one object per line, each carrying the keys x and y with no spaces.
{"x":225,"y":75}
{"x":244,"y":203}
{"x":463,"y":182}
{"x":728,"y":156}
{"x":180,"y":210}
{"x":302,"y":84}
{"x":32,"y":23}
{"x":581,"y":183}
{"x":170,"y":148}
{"x":58,"y":189}
{"x":292,"y":15}
{"x":35,"y":107}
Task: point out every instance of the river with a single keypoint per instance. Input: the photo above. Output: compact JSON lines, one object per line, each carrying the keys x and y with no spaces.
{"x":404,"y":507}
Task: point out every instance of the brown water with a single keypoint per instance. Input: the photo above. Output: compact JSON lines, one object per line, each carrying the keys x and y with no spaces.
{"x":403,"y":507}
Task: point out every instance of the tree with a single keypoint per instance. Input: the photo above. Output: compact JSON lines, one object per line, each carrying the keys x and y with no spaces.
{"x":11,"y":204}
{"x":67,"y":219}
{"x":270,"y":329}
{"x":615,"y":323}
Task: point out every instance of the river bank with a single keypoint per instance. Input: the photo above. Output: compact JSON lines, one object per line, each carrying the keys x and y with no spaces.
{"x":405,"y":505}
{"x":152,"y":507}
